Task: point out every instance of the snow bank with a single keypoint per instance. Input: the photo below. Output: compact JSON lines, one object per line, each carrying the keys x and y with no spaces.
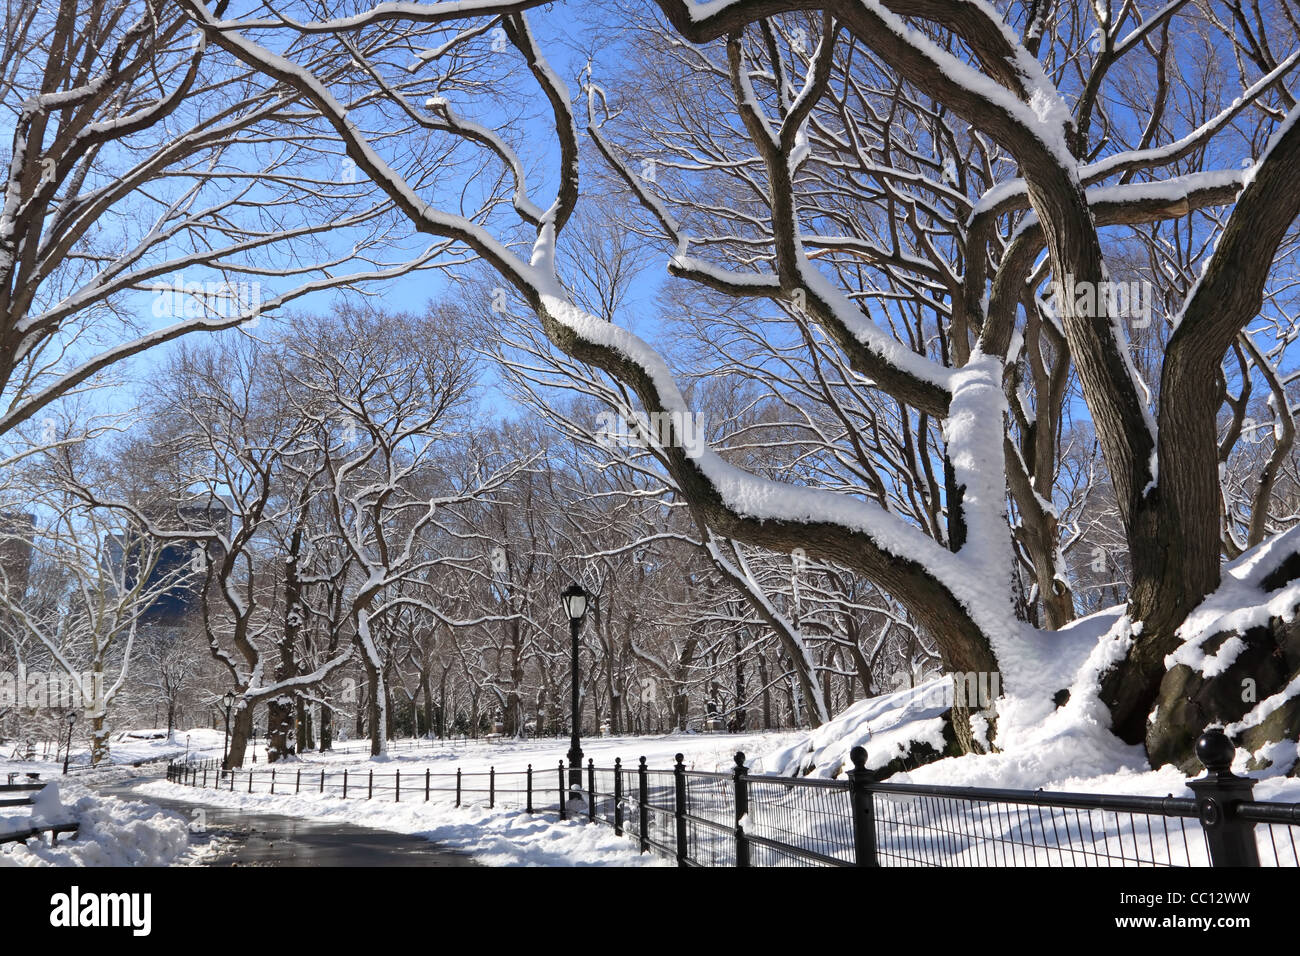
{"x":110,"y":832}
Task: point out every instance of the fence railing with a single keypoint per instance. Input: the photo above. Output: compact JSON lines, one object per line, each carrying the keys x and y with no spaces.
{"x":736,"y":818}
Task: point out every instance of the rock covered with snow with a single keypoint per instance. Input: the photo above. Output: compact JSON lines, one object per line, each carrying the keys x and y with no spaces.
{"x":1238,"y":664}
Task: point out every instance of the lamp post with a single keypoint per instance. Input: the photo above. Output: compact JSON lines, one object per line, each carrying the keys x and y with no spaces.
{"x":575,"y":605}
{"x":67,"y":751}
{"x":229,"y":701}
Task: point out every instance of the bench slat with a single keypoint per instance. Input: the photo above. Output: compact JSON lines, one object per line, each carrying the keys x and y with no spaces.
{"x":22,"y":836}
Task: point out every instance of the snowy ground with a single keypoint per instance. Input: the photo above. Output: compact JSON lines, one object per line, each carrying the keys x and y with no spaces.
{"x":701,"y":752}
{"x":119,"y":833}
{"x":495,"y":837}
{"x":1065,"y":748}
{"x":492,"y":837}
{"x":126,"y":748}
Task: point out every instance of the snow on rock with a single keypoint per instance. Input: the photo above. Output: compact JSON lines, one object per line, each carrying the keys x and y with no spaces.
{"x":887,"y":726}
{"x":110,"y":832}
{"x":1038,"y":742}
{"x":1240,"y":603}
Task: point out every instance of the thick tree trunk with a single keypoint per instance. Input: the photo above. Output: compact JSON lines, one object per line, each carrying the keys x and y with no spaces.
{"x":98,"y":740}
{"x":376,"y":713}
{"x":280,"y":714}
{"x":241,"y":731}
{"x":426,"y":691}
{"x":304,"y":732}
{"x":442,"y":705}
{"x":326,"y":727}
{"x":282,"y":710}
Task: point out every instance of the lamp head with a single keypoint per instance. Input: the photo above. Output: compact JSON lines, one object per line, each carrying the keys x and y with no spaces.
{"x":575,"y":602}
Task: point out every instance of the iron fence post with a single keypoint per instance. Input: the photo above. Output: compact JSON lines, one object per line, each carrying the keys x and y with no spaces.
{"x":679,"y":807}
{"x":591,"y":790}
{"x":458,"y":786}
{"x":529,"y":805}
{"x":297,"y":783}
{"x":370,"y":787}
{"x":618,"y":796}
{"x":492,"y":787}
{"x":345,"y":784}
{"x":426,"y":784}
{"x":643,"y":795}
{"x":272,"y":781}
{"x":397,"y":786}
{"x":564,"y":813}
{"x":322,"y":781}
{"x":742,"y":810}
{"x":1231,"y":840}
{"x":864,"y":810}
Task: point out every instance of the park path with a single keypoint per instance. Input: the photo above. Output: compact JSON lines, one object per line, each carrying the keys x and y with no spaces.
{"x":265,"y":839}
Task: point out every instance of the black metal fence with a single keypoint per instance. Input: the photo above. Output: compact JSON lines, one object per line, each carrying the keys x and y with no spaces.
{"x":703,"y":818}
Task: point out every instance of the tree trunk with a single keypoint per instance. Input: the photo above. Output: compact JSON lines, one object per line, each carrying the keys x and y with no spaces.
{"x":304,"y":732}
{"x":326,"y":727}
{"x":280,"y":713}
{"x":98,"y":740}
{"x":241,"y":731}
{"x":426,"y":690}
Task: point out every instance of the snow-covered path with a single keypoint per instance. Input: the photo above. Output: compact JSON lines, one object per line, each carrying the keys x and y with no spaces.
{"x":236,"y":837}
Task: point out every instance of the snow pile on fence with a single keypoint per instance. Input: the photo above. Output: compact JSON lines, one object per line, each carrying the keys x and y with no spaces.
{"x":110,"y":832}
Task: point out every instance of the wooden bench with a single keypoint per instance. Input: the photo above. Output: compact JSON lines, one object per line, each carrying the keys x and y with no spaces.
{"x":22,"y":836}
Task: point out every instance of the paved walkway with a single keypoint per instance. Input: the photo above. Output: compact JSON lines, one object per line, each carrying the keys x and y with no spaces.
{"x":265,"y":839}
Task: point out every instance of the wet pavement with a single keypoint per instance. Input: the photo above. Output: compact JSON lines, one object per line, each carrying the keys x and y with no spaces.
{"x":264,"y":839}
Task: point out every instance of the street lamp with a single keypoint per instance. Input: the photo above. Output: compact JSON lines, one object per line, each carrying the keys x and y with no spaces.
{"x":575,"y":605}
{"x":67,"y":751}
{"x":229,"y":701}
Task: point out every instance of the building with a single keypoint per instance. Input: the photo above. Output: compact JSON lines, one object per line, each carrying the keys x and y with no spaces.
{"x":16,"y":534}
{"x":180,"y":603}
